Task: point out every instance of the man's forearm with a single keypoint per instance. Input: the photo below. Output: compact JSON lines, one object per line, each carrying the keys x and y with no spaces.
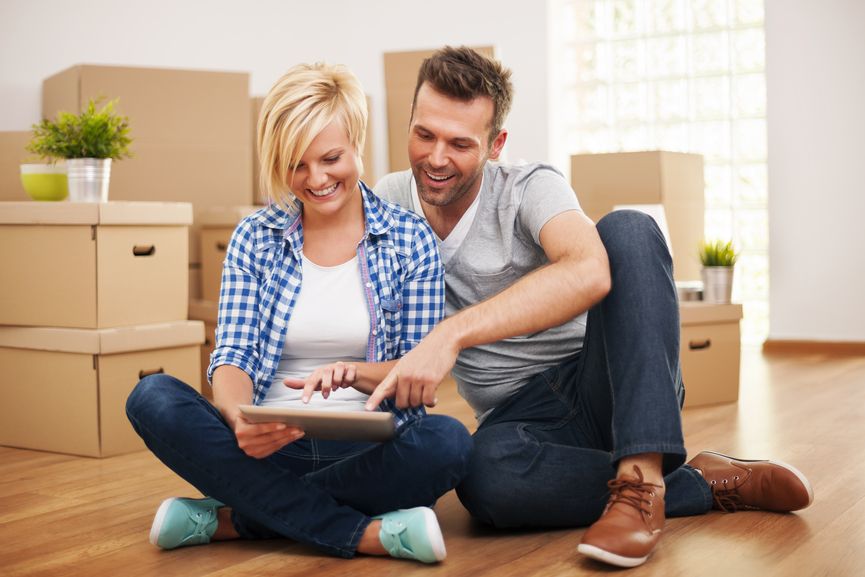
{"x":545,"y":298}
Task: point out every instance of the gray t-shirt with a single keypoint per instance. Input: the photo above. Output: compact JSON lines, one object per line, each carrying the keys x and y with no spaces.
{"x":501,"y":246}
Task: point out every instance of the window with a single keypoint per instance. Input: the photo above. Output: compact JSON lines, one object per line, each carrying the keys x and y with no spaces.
{"x":680,"y":75}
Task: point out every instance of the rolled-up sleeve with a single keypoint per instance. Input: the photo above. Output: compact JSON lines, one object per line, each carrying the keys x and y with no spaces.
{"x":237,"y":328}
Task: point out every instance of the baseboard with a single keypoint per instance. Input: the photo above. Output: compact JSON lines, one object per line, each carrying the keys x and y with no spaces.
{"x":837,"y":348}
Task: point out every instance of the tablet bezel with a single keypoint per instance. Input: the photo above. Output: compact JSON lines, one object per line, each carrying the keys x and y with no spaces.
{"x":375,"y":426}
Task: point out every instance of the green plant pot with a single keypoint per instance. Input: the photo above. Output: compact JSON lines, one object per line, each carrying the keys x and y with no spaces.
{"x":45,"y":182}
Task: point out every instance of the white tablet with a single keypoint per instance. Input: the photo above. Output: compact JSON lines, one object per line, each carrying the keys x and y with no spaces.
{"x":332,"y":425}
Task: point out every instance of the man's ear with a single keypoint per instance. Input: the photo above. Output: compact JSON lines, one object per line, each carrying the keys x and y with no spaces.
{"x":498,"y":144}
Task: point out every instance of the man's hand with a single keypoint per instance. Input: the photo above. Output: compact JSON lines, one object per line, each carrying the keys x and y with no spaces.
{"x":260,"y":440}
{"x":338,"y":375}
{"x":416,"y":377}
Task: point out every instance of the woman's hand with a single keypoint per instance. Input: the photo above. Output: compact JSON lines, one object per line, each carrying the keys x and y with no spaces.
{"x":260,"y":440}
{"x":338,"y":375}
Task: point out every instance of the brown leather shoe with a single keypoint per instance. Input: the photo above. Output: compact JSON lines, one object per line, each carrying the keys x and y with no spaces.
{"x":630,"y":526}
{"x":739,"y":484}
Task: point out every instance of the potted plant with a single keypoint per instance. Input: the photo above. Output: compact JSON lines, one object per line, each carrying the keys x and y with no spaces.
{"x":718,"y":259}
{"x":89,"y":141}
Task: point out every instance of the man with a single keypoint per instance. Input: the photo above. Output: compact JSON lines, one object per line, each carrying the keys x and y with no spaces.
{"x":563,"y":337}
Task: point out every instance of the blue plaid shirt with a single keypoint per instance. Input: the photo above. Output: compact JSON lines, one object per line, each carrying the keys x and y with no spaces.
{"x":261,"y":278}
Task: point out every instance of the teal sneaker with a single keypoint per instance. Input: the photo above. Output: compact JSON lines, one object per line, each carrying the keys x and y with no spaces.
{"x":181,"y":522}
{"x":412,"y":534}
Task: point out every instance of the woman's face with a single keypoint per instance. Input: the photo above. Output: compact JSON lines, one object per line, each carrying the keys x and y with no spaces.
{"x":326,"y":179}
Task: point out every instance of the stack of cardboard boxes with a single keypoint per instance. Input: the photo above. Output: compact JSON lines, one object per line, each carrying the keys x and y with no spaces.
{"x":193,"y":142}
{"x":92,"y":300}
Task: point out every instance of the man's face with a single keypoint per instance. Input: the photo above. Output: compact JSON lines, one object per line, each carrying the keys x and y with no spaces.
{"x":448,"y":146}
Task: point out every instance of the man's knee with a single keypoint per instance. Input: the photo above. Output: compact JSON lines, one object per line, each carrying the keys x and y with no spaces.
{"x":489,"y":489}
{"x":632,"y":236}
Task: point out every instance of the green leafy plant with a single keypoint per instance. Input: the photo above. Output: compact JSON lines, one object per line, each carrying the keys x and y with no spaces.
{"x":95,"y":133}
{"x":718,"y":253}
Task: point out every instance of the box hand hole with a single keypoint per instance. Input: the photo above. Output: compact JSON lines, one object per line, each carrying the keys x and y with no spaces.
{"x":144,"y":249}
{"x":699,"y":345}
{"x":145,"y":373}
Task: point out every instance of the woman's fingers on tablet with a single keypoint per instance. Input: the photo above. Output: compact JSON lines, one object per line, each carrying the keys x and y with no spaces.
{"x":350,"y":375}
{"x":339,"y":374}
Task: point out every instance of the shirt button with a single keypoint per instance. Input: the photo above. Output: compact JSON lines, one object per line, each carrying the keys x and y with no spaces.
{"x":375,"y":331}
{"x":368,"y":285}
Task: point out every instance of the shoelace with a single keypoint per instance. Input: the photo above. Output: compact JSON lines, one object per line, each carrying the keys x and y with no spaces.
{"x":726,"y":495}
{"x":201,"y":519}
{"x":633,"y":491}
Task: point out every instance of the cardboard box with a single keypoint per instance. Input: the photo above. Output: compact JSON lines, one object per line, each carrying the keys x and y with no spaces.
{"x":217,"y":225}
{"x":257,"y":193}
{"x":65,"y":390}
{"x":206,"y":312}
{"x":400,"y":77}
{"x":89,"y":265}
{"x":12,"y":156}
{"x":190,"y":131}
{"x":671,"y":179}
{"x":710,"y":352}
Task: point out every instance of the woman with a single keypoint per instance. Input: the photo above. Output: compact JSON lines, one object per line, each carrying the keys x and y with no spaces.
{"x":321,"y":290}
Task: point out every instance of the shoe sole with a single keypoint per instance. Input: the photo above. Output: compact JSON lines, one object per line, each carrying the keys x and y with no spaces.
{"x":434,"y":532}
{"x":599,"y":554}
{"x":159,"y":519}
{"x":783,"y":465}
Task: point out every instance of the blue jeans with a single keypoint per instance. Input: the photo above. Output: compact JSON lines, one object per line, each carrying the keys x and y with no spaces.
{"x":543,"y":458}
{"x":322,"y":493}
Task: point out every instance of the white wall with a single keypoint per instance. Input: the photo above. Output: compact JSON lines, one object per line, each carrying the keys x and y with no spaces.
{"x":265,"y":37}
{"x":815,"y":65}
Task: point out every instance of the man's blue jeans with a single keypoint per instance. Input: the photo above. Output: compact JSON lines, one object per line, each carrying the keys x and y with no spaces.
{"x":322,"y":493}
{"x":544,"y":457}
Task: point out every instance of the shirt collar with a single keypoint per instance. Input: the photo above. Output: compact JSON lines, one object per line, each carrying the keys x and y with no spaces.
{"x":378,"y":219}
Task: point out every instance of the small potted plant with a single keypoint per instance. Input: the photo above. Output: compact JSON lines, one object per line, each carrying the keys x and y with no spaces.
{"x":718,"y":258}
{"x":89,"y":141}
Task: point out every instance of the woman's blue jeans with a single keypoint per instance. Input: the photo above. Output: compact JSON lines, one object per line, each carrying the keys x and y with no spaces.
{"x":322,"y":493}
{"x":544,"y":457}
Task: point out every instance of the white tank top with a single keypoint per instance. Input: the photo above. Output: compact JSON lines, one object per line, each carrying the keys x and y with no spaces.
{"x":329,"y":322}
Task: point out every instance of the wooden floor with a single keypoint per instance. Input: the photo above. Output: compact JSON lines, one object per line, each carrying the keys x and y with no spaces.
{"x":71,"y":516}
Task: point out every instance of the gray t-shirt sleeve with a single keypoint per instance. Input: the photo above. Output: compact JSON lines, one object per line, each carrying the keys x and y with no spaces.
{"x":396,"y":187}
{"x":542,"y":194}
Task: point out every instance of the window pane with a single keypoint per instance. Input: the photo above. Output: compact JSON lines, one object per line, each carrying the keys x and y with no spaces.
{"x":710,"y":53}
{"x":667,"y":15}
{"x":749,"y":95}
{"x":711,"y":98}
{"x":666,"y":57}
{"x":671,"y":100}
{"x":708,"y":14}
{"x":749,"y":50}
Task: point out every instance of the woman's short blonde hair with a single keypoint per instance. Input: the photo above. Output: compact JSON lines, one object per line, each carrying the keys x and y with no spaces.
{"x":298,"y":107}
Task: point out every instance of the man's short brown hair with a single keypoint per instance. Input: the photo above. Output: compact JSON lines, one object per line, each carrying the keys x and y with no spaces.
{"x":464,"y":74}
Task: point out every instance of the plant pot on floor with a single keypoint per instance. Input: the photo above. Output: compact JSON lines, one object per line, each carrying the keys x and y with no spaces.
{"x":88,"y":179}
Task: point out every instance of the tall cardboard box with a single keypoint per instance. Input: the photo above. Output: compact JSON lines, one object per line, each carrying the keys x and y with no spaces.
{"x":710,"y":352}
{"x":65,"y":390}
{"x":400,"y":77}
{"x":217,"y":226}
{"x":190,"y":131}
{"x":93,"y":265}
{"x":671,"y":179}
{"x":12,"y":156}
{"x":206,"y":312}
